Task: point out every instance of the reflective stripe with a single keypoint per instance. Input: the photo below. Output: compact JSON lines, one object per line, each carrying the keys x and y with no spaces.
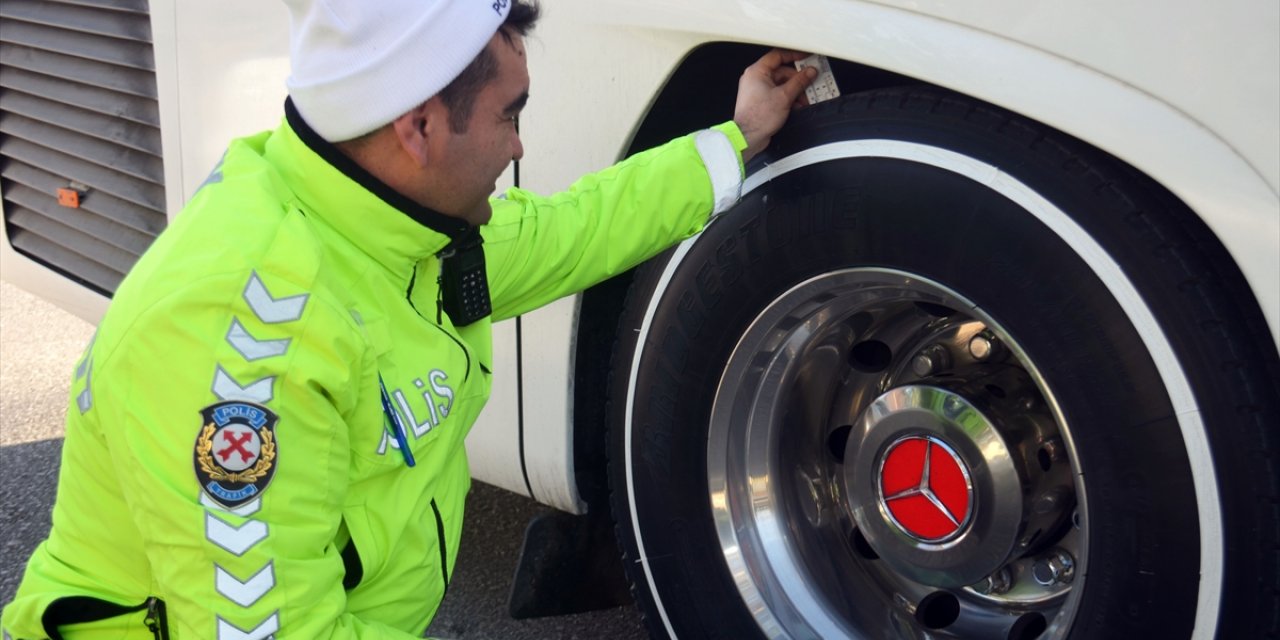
{"x":83,"y":367}
{"x":226,"y":388}
{"x":269,"y":308}
{"x":721,"y":161}
{"x":252,"y":348}
{"x":84,"y":399}
{"x":238,"y":540}
{"x":233,"y":539}
{"x":228,"y":631}
{"x":244,"y":592}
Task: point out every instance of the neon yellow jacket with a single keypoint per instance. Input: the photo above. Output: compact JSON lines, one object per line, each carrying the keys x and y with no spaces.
{"x":227,"y":451}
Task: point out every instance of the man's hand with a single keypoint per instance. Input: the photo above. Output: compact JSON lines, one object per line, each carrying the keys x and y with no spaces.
{"x":767,"y":92}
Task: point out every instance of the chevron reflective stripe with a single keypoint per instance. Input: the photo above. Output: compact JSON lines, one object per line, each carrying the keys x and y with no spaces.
{"x":721,"y":161}
{"x":84,"y":399}
{"x":244,"y":511}
{"x":231,"y":538}
{"x":82,"y":369}
{"x":226,"y":388}
{"x":228,"y":631}
{"x":268,"y":308}
{"x":244,"y":593}
{"x":238,"y":540}
{"x":252,"y":348}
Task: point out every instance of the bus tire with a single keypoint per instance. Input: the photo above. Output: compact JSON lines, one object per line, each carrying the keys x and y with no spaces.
{"x":920,"y":285}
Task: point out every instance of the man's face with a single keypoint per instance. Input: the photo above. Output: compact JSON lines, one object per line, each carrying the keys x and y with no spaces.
{"x":472,"y":161}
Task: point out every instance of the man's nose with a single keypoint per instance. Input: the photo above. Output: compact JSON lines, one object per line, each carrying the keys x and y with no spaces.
{"x":517,"y":148}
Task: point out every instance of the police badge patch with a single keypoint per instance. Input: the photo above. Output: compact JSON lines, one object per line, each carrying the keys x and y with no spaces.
{"x":235,"y":452}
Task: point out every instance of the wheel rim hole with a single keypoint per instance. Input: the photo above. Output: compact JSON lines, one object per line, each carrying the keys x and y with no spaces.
{"x":996,"y":391}
{"x":1045,"y":460}
{"x":935,"y":310}
{"x":870,"y":356}
{"x":1028,"y":627}
{"x":938,"y":610}
{"x":861,"y":545}
{"x":837,"y":440}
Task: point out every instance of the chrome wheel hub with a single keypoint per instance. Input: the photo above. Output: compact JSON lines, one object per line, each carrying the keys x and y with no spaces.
{"x":883,"y":461}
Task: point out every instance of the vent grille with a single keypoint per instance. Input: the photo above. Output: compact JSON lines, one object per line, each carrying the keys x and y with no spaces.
{"x":78,"y":111}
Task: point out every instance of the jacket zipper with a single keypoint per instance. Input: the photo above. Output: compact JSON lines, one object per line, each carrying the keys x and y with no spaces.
{"x":444,"y":549}
{"x":408,"y":296}
{"x":157,"y":620}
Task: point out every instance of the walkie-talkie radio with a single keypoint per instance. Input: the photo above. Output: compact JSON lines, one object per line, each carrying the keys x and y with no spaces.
{"x":464,"y":287}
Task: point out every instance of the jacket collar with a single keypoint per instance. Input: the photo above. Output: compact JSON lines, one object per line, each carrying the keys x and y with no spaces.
{"x":391,"y":228}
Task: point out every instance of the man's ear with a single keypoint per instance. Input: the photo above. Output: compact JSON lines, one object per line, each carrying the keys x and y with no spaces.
{"x":414,"y":130}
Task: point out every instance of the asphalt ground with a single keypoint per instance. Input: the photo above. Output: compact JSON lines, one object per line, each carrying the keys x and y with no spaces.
{"x":39,"y":345}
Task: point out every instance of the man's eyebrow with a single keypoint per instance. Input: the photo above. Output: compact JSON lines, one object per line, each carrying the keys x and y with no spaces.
{"x":517,"y":104}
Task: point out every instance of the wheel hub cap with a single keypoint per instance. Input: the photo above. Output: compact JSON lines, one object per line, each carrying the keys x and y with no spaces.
{"x":933,"y":486}
{"x":924,"y":489}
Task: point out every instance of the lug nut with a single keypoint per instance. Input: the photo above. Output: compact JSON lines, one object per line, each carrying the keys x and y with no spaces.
{"x":995,"y":584}
{"x":983,"y":346}
{"x":1054,"y":568}
{"x":931,"y":360}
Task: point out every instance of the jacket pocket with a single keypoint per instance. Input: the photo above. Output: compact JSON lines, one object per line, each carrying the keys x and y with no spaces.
{"x":84,"y":613}
{"x":352,"y":569}
{"x":442,"y":545}
{"x":362,"y":555}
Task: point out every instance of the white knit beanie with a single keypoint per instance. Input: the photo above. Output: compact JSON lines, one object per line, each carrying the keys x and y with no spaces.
{"x":359,"y":64}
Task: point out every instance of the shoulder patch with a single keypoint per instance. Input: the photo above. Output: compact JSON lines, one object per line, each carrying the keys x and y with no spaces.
{"x":235,"y":453}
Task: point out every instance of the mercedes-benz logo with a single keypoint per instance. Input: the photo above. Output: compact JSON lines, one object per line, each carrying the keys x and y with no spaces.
{"x":925,"y":489}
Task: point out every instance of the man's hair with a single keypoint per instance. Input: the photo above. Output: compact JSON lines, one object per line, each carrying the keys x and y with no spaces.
{"x":459,"y":96}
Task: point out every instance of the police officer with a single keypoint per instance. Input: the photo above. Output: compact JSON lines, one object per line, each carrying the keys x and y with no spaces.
{"x":266,"y":433}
